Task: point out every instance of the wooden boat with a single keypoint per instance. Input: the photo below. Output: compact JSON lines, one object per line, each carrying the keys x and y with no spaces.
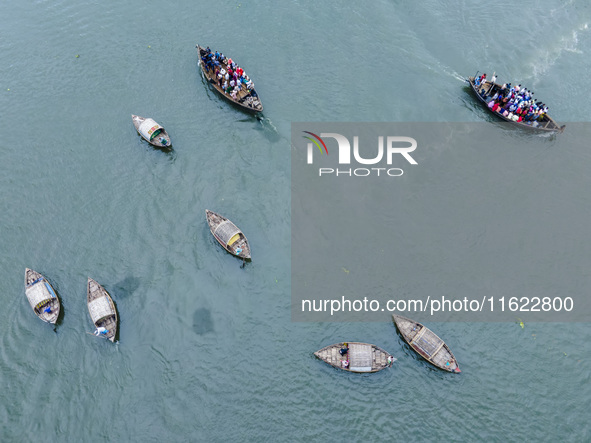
{"x":228,"y":235}
{"x":426,"y":343}
{"x":361,"y":357}
{"x":151,"y":131}
{"x":247,"y":98}
{"x":486,"y":90}
{"x":101,"y":309}
{"x":41,"y":296}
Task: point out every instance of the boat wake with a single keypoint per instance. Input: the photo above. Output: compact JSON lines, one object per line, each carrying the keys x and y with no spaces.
{"x":546,"y":134}
{"x":569,"y":42}
{"x":441,"y":68}
{"x":458,"y":77}
{"x":267,"y":123}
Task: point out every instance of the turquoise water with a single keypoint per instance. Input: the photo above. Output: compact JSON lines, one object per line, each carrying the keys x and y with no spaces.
{"x":207,"y":350}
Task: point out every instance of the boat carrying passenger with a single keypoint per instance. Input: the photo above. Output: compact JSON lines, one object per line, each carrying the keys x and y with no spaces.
{"x":515,"y":104}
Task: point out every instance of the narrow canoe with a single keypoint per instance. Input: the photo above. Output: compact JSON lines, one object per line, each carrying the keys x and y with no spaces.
{"x":361,"y":357}
{"x":228,"y":235}
{"x":486,"y":90}
{"x":247,"y":98}
{"x":151,"y":131}
{"x":41,"y":296}
{"x":426,"y":343}
{"x":101,"y":309}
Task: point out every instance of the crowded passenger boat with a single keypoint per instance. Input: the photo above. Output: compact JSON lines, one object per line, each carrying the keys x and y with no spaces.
{"x":229,"y":79}
{"x":515,"y":104}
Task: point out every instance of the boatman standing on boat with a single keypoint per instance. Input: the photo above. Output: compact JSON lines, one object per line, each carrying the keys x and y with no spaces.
{"x":101,"y":331}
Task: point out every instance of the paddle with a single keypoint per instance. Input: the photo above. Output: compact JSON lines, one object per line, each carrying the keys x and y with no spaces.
{"x":99,"y":336}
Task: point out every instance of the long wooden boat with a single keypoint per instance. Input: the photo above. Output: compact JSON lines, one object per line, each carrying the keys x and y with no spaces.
{"x":151,"y":131}
{"x":247,"y":98}
{"x":41,"y":296}
{"x":356,"y":357}
{"x":101,"y":309}
{"x":228,"y":235}
{"x":426,"y":343}
{"x":486,"y":90}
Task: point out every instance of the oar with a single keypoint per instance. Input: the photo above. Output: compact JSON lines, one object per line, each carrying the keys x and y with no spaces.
{"x":99,"y":336}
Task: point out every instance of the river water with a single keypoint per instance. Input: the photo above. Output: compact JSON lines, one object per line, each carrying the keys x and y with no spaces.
{"x":208,"y":351}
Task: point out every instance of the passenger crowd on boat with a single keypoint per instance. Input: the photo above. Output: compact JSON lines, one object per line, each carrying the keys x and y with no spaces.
{"x":230,"y":77}
{"x":515,"y":103}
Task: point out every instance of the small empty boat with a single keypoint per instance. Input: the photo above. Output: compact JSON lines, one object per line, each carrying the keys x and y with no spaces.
{"x":426,"y":343}
{"x":228,"y":235}
{"x":41,"y":296}
{"x":151,"y":131}
{"x":102,"y":310}
{"x":355,"y":357}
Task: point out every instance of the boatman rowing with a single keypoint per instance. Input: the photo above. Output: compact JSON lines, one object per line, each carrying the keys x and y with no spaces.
{"x":101,"y":331}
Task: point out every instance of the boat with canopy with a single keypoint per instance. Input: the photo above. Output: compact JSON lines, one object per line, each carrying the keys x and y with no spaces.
{"x":41,"y":296}
{"x":151,"y":131}
{"x":228,"y":235}
{"x":102,"y":310}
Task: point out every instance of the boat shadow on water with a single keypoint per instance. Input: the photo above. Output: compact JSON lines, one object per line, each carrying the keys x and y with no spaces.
{"x":60,"y":317}
{"x":118,"y":332}
{"x":202,"y":321}
{"x":127,"y":286}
